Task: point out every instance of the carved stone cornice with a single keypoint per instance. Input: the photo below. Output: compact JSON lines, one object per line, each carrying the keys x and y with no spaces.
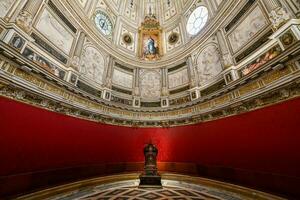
{"x":269,"y":87}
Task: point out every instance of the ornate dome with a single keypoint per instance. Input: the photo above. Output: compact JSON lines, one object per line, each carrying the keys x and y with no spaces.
{"x":150,"y":62}
{"x":119,"y":24}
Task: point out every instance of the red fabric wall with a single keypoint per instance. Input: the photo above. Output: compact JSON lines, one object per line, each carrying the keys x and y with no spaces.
{"x":266,"y":140}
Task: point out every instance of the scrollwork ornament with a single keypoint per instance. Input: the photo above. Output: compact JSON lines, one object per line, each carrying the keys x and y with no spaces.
{"x":19,"y":94}
{"x":45,"y":103}
{"x":3,"y":90}
{"x":284,"y":93}
{"x":77,"y":113}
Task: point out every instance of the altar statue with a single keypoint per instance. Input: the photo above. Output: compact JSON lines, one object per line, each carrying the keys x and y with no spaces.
{"x":150,"y":176}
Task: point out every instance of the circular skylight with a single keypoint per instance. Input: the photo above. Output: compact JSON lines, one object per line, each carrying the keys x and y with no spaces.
{"x":103,"y":23}
{"x":197,"y":20}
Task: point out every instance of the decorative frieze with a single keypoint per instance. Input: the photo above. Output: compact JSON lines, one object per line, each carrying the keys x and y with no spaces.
{"x":203,"y":106}
{"x":222,"y":100}
{"x":249,"y":88}
{"x":261,"y":60}
{"x":275,"y":75}
{"x":179,"y":101}
{"x":44,"y":63}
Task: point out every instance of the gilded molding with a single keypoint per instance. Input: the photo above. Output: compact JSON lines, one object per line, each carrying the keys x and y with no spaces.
{"x":205,"y":111}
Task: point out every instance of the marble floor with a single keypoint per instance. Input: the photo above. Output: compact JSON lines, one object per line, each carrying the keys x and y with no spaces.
{"x":174,"y":187}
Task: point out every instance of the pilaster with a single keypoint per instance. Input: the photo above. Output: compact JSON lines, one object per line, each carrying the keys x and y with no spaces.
{"x":75,"y":63}
{"x":25,"y":18}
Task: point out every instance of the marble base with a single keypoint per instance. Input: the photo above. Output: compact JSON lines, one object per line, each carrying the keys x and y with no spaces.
{"x":150,"y":181}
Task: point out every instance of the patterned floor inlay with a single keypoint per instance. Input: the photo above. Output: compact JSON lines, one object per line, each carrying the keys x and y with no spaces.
{"x":171,"y":190}
{"x":136,"y":193}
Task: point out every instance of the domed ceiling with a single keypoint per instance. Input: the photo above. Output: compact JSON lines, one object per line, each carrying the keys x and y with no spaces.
{"x":148,"y":62}
{"x":122,"y":23}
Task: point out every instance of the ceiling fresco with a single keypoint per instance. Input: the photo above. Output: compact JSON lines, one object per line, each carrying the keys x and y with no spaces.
{"x":148,"y":62}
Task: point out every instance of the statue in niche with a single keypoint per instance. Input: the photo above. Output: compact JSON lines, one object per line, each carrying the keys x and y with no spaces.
{"x":17,"y":42}
{"x":150,"y":48}
{"x":150,"y":176}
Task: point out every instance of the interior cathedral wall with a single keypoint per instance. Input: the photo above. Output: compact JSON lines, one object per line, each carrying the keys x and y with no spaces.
{"x":39,"y":148}
{"x":257,"y":149}
{"x":74,"y":59}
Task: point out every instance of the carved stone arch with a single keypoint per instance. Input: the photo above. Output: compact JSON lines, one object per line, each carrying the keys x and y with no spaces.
{"x":93,"y":64}
{"x":208,"y":63}
{"x":150,"y":82}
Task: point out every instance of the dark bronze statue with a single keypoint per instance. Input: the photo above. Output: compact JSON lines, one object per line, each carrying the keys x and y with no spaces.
{"x":150,"y":176}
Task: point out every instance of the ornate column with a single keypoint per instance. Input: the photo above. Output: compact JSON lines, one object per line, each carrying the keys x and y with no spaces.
{"x":77,"y":51}
{"x":194,"y":91}
{"x":191,"y":72}
{"x":109,"y":73}
{"x":224,"y":51}
{"x":107,"y":81}
{"x":136,"y":89}
{"x":25,"y":17}
{"x":164,"y":90}
{"x":226,"y":58}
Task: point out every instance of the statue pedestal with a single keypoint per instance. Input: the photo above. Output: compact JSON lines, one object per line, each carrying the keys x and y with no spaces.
{"x":150,"y":181}
{"x":150,"y":177}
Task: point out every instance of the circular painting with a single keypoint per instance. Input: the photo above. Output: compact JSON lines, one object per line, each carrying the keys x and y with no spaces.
{"x":173,"y":38}
{"x":127,"y":39}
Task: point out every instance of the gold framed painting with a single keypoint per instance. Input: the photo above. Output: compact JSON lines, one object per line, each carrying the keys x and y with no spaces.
{"x":150,"y":45}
